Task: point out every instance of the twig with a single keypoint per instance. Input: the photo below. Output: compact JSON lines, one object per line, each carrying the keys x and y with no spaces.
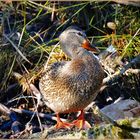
{"x":119,"y":73}
{"x":132,"y":71}
{"x":36,"y":92}
{"x":40,"y":5}
{"x":15,"y":125}
{"x":53,"y":12}
{"x":41,"y":115}
{"x":126,"y":2}
{"x":4,"y":110}
{"x":21,"y":97}
{"x":46,"y":64}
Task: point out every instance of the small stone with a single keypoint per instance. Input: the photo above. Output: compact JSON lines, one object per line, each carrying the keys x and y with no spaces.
{"x":111,"y":25}
{"x":122,"y":109}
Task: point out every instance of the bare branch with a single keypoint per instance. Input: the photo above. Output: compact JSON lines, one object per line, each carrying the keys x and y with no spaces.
{"x":30,"y":113}
{"x":119,"y":73}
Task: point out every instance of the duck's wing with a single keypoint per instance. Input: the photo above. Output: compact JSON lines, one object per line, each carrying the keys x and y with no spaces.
{"x":53,"y":70}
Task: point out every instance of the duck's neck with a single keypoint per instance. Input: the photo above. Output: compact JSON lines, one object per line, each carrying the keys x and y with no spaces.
{"x":74,"y":52}
{"x":81,"y":53}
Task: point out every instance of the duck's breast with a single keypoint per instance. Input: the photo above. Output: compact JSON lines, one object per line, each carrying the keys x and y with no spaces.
{"x":75,"y":85}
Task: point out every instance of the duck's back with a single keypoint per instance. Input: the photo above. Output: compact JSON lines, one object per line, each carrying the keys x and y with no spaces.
{"x":71,"y":86}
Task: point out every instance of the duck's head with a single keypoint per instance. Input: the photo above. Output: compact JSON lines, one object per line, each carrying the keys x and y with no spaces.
{"x":74,"y":39}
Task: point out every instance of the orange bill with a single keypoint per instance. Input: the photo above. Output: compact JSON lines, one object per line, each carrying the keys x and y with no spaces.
{"x":86,"y":45}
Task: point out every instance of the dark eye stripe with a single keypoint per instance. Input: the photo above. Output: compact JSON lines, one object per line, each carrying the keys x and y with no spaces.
{"x":79,"y":33}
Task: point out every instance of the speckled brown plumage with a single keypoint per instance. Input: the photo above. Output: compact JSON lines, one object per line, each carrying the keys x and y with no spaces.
{"x":71,"y":86}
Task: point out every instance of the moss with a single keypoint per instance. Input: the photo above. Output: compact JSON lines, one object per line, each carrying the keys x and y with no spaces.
{"x":123,"y":134}
{"x":96,"y":132}
{"x":125,"y":122}
{"x":138,"y":122}
{"x":84,"y":133}
{"x":104,"y":131}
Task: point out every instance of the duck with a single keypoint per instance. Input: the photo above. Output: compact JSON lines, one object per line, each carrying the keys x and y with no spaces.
{"x":70,"y":86}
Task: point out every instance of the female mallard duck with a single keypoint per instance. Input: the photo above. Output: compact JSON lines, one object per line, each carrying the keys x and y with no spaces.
{"x":72,"y":85}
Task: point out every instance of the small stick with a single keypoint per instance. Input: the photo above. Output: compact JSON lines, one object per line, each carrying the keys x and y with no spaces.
{"x":30,"y":113}
{"x":119,"y":73}
{"x":15,"y":125}
{"x":4,"y":110}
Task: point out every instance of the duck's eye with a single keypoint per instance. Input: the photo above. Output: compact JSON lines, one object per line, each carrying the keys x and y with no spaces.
{"x":80,"y":34}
